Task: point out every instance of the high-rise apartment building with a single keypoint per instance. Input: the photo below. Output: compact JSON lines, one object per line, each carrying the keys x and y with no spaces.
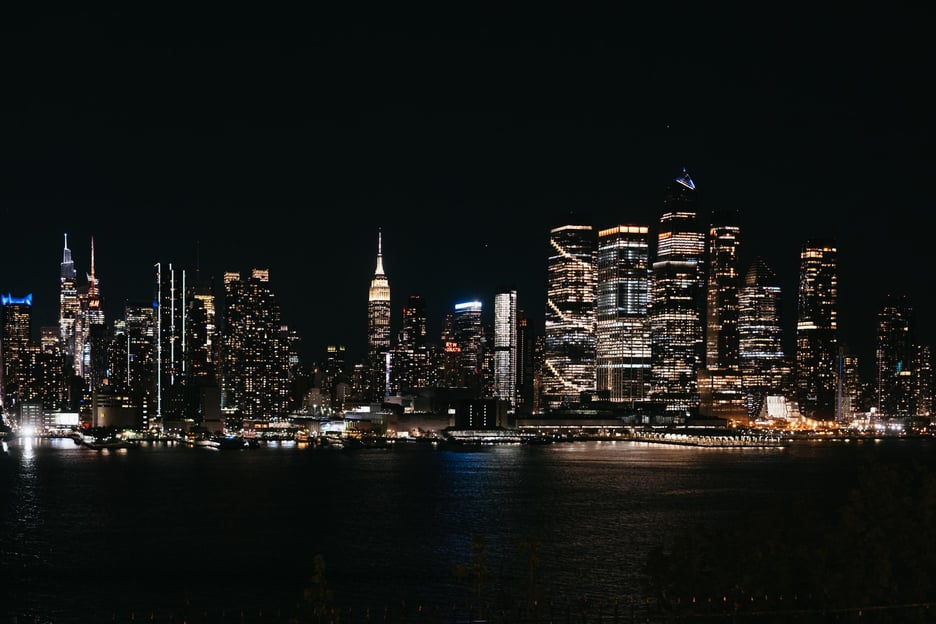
{"x":894,"y":357}
{"x":505,"y":347}
{"x":817,"y":329}
{"x":467,"y":332}
{"x":378,"y":330}
{"x":760,"y":335}
{"x":622,"y":329}
{"x":923,"y":382}
{"x":569,"y":333}
{"x":720,"y":390}
{"x":677,"y":302}
{"x":526,"y":339}
{"x":410,"y":367}
{"x":16,"y":352}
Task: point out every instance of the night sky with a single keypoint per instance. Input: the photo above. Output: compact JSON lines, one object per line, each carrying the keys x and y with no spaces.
{"x":285,"y":141}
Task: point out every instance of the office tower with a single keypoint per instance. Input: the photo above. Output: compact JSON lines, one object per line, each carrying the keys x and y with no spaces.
{"x":15,"y":352}
{"x":410,"y":361}
{"x":817,"y":329}
{"x":893,"y":355}
{"x":448,"y":358}
{"x":677,"y":302}
{"x":505,"y":347}
{"x":255,"y":363}
{"x":569,"y":333}
{"x":720,"y":390}
{"x":68,"y":303}
{"x":90,"y":337}
{"x":202,"y":333}
{"x":622,"y":330}
{"x":171,"y":379}
{"x":467,"y":333}
{"x":848,"y":388}
{"x":378,"y":330}
{"x":526,"y":339}
{"x":760,"y":335}
{"x":136,"y":376}
{"x":50,"y":371}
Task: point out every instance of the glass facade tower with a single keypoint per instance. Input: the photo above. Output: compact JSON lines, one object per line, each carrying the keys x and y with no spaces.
{"x":622,"y":329}
{"x":505,"y":346}
{"x":677,"y":301}
{"x":817,"y":329}
{"x":569,"y":333}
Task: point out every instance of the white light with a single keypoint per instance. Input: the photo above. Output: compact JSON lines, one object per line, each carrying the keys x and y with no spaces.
{"x":28,"y":431}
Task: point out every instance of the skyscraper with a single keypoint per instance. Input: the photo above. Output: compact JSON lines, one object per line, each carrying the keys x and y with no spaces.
{"x":15,"y":352}
{"x":467,"y":330}
{"x":677,"y":301}
{"x":817,"y":329}
{"x":410,"y":361}
{"x":720,"y":388}
{"x":68,"y":302}
{"x":505,"y":346}
{"x":90,"y":340}
{"x":255,"y":361}
{"x":569,"y":349}
{"x":378,"y":329}
{"x":893,"y":355}
{"x":622,"y":330}
{"x":760,"y":335}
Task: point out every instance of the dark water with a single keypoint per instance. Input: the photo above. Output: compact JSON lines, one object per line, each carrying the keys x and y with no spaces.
{"x":166,"y":527}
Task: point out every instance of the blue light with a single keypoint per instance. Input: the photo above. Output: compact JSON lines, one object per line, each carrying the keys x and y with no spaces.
{"x":9,"y":299}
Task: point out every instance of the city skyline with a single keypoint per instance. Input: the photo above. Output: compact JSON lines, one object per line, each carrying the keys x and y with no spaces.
{"x":287,"y":148}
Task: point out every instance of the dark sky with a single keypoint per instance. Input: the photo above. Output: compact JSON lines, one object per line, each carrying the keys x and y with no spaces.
{"x":284,"y":141}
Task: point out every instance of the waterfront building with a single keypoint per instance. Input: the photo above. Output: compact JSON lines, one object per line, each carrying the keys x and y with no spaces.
{"x":569,"y":332}
{"x":721,"y":393}
{"x":50,"y":369}
{"x":817,"y":329}
{"x":16,"y":352}
{"x":849,"y":388}
{"x":255,"y":362}
{"x":505,"y":347}
{"x":378,"y":330}
{"x":622,"y":328}
{"x":677,"y":302}
{"x":760,"y":335}
{"x":526,"y":339}
{"x":894,"y":356}
{"x":923,"y":382}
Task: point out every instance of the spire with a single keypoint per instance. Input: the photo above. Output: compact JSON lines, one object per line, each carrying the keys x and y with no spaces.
{"x":685,"y":180}
{"x":91,"y":278}
{"x":380,"y":270}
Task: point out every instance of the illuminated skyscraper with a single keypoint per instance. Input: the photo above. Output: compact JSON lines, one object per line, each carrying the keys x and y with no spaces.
{"x":923,"y":382}
{"x":569,"y":349}
{"x":720,"y":390}
{"x":68,"y":303}
{"x":817,"y":329}
{"x":622,"y":329}
{"x":505,"y":346}
{"x":255,"y":362}
{"x":893,"y":355}
{"x":526,"y":339}
{"x":378,"y":329}
{"x":16,"y":353}
{"x":410,"y":361}
{"x":760,"y":335}
{"x":677,"y":301}
{"x":90,"y":338}
{"x":467,"y":331}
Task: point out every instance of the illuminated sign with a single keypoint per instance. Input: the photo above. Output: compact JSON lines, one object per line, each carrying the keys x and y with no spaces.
{"x":473,"y":305}
{"x":11,"y":300}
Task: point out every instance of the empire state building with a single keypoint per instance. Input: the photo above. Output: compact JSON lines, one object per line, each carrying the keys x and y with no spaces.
{"x":378,"y":329}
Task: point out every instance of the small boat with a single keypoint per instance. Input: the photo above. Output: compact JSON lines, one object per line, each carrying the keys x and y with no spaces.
{"x":110,"y":443}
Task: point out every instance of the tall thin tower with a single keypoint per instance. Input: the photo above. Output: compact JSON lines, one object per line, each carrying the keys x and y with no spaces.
{"x":622,"y":329}
{"x":378,"y":328}
{"x":68,"y":302}
{"x":677,"y":301}
{"x":505,"y":346}
{"x":569,"y":350}
{"x":817,"y":329}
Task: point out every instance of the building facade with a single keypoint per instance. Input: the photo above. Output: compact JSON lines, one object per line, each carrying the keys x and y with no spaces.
{"x":622,"y":329}
{"x":378,"y":331}
{"x":569,"y":332}
{"x":817,"y":329}
{"x":505,"y":347}
{"x":677,"y":302}
{"x":760,"y":335}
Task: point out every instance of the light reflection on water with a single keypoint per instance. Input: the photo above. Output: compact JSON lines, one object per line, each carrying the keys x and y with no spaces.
{"x":159,"y":526}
